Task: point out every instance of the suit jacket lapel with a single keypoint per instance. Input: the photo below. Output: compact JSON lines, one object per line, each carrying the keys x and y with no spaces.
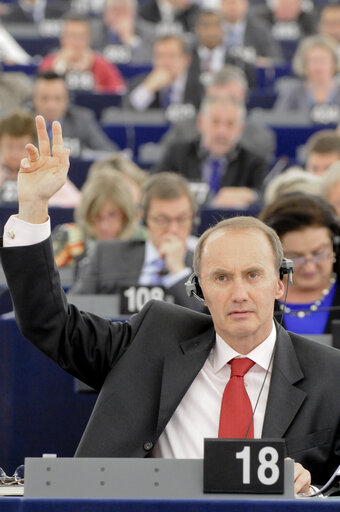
{"x":284,"y":399}
{"x":180,"y":369}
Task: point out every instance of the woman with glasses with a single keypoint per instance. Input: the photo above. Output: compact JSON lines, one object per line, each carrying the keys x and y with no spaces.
{"x":309,"y":232}
{"x":106,"y":212}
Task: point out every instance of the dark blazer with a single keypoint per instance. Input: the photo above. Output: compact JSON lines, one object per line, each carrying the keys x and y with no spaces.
{"x":119,"y":263}
{"x":192,"y":94}
{"x":53,"y":10}
{"x":258,"y":35}
{"x":149,"y":11}
{"x":144,"y":367}
{"x":333,"y":315}
{"x":244,"y":169}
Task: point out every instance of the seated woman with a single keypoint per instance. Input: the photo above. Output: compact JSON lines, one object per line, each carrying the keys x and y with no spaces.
{"x":308,"y":229}
{"x":316,"y":63}
{"x":105,"y":212}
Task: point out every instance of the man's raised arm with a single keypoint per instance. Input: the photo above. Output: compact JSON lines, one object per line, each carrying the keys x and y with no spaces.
{"x":42,"y":173}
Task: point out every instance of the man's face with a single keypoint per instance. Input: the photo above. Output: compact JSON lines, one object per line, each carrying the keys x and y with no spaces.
{"x":234,"y":10}
{"x":118,"y":12}
{"x":318,"y":163}
{"x":330,"y":22}
{"x":50,"y":99}
{"x":287,"y":10}
{"x":108,"y":222}
{"x":75,"y":37}
{"x":12,"y":150}
{"x":233,"y":89}
{"x":169,"y":55}
{"x":220,"y":126}
{"x":169,"y":216}
{"x":240,"y":283}
{"x":312,"y":252}
{"x":209,"y":30}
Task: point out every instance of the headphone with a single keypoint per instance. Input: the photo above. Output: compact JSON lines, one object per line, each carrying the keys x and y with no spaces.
{"x":193,"y":287}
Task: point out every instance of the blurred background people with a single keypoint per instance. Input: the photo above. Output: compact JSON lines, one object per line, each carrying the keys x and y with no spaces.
{"x":168,"y":83}
{"x":84,"y":68}
{"x":16,"y":130}
{"x":329,"y":23}
{"x":35,"y":11}
{"x":316,"y":63}
{"x":229,"y":81}
{"x":80,"y":129}
{"x":133,"y":176}
{"x":293,"y":179}
{"x":174,"y":15}
{"x":322,"y":150}
{"x":331,"y":186}
{"x":105,"y":212}
{"x":289,"y":22}
{"x":164,"y":259}
{"x":122,"y":37}
{"x":235,"y":175}
{"x":309,"y":231}
{"x":246,"y":36}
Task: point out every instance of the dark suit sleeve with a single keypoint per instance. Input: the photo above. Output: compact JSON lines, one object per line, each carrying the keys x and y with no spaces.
{"x":169,"y":160}
{"x":83,"y":344}
{"x":93,"y":135}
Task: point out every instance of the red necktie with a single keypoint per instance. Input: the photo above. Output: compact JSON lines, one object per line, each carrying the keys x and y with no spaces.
{"x":236,"y":410}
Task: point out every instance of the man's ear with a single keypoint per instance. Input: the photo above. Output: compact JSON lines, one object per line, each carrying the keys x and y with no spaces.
{"x":280,"y":289}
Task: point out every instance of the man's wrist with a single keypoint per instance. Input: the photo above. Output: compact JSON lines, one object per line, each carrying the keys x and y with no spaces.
{"x":33,"y":212}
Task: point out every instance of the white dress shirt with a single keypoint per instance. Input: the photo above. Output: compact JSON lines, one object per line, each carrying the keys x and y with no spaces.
{"x":141,"y":97}
{"x":198,"y":414}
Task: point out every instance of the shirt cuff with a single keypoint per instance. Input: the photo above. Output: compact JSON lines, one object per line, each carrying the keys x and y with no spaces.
{"x":171,"y":279}
{"x":19,"y":233}
{"x":141,"y":98}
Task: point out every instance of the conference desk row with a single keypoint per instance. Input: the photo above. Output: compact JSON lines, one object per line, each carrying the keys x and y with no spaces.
{"x":108,"y":505}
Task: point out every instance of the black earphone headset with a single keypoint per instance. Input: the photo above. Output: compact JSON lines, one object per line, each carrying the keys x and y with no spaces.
{"x":193,"y":287}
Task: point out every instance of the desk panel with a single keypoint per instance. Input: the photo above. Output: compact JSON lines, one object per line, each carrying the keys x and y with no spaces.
{"x":75,"y":505}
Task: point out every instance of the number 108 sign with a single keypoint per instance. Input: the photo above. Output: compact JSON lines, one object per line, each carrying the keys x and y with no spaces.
{"x":244,"y":466}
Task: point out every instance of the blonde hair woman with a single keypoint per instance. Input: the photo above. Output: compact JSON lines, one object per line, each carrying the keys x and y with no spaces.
{"x":106,"y":212}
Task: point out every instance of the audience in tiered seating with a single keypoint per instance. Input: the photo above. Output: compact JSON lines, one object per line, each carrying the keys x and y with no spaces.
{"x":16,"y":130}
{"x":35,"y":11}
{"x":176,"y":15}
{"x":228,"y":81}
{"x":81,"y":130}
{"x":169,"y":82}
{"x":164,"y":260}
{"x":294,"y":179}
{"x":121,"y":36}
{"x":105,"y":212}
{"x":246,"y":36}
{"x":235,"y":175}
{"x":322,"y":150}
{"x":84,"y":68}
{"x":329,"y":24}
{"x":309,"y":231}
{"x":316,"y":93}
{"x":289,"y":23}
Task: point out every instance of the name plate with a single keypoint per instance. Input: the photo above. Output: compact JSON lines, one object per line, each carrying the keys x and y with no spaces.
{"x":244,"y":466}
{"x":325,"y":114}
{"x":134,"y":298}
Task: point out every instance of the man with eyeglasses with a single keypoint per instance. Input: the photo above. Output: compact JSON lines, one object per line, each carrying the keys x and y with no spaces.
{"x":165,"y":259}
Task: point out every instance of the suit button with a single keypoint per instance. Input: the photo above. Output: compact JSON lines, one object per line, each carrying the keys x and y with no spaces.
{"x":148,"y":445}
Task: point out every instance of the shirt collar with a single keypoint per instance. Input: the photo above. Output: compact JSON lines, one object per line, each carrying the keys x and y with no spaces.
{"x":222,"y":353}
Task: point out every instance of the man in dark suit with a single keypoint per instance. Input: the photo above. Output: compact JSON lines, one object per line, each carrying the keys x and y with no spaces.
{"x":80,"y":128}
{"x":168,"y":209}
{"x":176,"y":14}
{"x":246,"y":36}
{"x":234,"y":174}
{"x":169,"y":82}
{"x":161,"y":375}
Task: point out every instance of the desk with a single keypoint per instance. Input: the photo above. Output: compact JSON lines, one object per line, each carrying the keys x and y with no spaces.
{"x":40,"y":411}
{"x":108,"y":505}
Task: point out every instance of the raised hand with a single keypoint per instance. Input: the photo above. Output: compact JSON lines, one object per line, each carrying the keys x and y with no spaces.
{"x":42,"y":174}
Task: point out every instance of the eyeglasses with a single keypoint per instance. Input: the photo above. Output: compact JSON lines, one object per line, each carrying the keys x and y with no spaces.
{"x":162,"y":221}
{"x":300,"y":261}
{"x":16,"y":479}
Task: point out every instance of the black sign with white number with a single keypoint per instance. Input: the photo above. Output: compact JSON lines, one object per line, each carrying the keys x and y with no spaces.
{"x":244,"y":466}
{"x":133,"y":298}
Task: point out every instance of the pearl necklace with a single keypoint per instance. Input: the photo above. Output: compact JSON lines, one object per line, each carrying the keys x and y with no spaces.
{"x":313,"y":307}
